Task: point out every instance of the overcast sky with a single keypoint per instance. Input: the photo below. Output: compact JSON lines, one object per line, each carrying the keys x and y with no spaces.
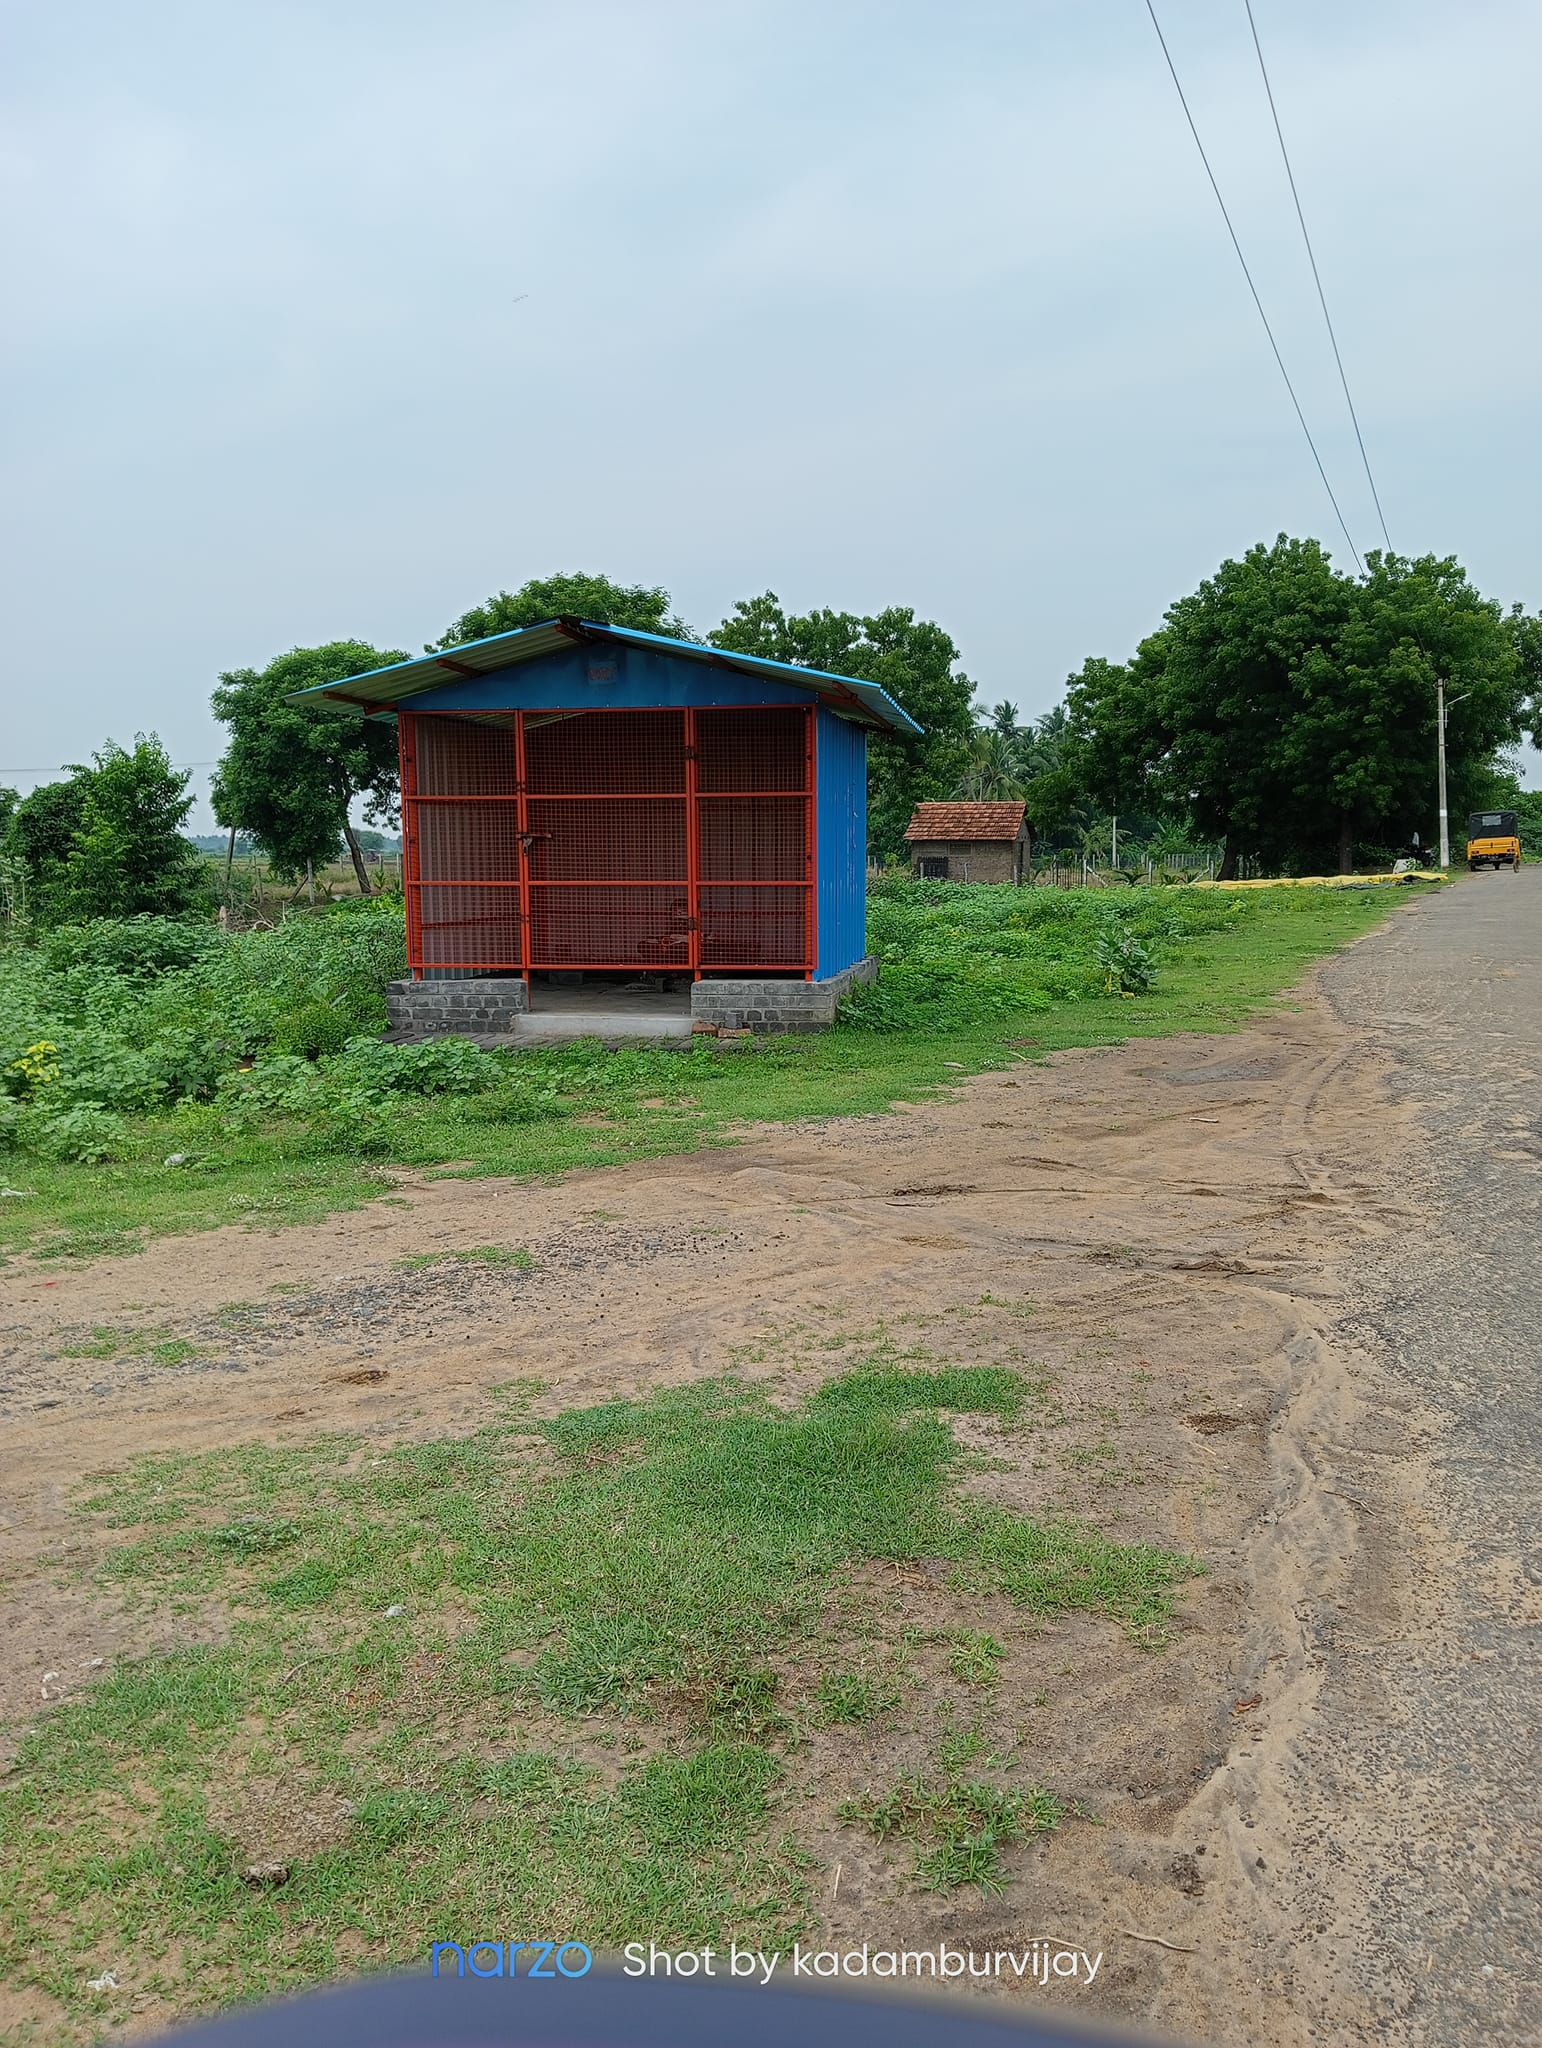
{"x":329,"y":319}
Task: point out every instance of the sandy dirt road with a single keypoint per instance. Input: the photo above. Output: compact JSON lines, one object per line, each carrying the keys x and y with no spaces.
{"x":1251,"y":1272}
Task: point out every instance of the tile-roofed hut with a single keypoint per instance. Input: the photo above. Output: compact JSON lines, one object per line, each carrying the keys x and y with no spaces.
{"x":970,"y":842}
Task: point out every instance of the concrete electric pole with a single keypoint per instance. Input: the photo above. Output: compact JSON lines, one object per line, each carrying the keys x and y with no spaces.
{"x":1441,"y":709}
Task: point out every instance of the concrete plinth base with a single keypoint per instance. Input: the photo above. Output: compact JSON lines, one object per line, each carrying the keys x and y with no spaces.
{"x":771,"y":1006}
{"x":494,"y":1008}
{"x":469,"y":1009}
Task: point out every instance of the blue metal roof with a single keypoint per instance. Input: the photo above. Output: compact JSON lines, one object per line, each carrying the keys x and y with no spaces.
{"x":382,"y":689}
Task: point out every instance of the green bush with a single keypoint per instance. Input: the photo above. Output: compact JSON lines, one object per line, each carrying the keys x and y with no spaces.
{"x":137,"y":946}
{"x":1126,"y":961}
{"x":87,"y":1134}
{"x":312,"y":1029}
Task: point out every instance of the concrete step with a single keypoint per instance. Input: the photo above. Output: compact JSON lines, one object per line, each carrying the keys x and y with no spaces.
{"x":612,"y":1027}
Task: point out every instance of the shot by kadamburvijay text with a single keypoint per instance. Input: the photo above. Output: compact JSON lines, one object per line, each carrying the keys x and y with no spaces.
{"x":1036,"y":1962}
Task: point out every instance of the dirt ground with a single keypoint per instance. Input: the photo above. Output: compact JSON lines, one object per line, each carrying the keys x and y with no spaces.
{"x":1163,"y":1232}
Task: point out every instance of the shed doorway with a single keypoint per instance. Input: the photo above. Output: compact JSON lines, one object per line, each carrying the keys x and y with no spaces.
{"x":628,"y":845}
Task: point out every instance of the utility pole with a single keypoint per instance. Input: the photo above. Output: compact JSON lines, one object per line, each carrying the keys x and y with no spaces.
{"x":1115,"y":861}
{"x":1442,"y":708}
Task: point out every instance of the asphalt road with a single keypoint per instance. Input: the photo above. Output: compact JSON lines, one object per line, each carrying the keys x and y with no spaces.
{"x":1431,"y":1720}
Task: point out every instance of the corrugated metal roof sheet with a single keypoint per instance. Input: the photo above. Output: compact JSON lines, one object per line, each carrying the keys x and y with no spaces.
{"x":382,"y":689}
{"x":966,"y":821}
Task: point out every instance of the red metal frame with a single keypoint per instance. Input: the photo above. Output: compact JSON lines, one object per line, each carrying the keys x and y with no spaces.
{"x":692,"y":847}
{"x":522,"y":817}
{"x":673,"y":902}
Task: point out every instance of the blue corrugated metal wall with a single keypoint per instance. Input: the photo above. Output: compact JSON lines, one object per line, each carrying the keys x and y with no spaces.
{"x":840,"y":828}
{"x":602,"y":679}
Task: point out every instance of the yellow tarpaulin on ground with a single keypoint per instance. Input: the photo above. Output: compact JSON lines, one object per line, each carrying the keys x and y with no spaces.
{"x":1332,"y":881}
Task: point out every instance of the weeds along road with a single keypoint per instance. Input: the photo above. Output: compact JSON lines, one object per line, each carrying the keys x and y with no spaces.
{"x":1423,"y":1771}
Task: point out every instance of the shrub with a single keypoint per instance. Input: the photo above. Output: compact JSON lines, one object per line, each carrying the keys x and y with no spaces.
{"x":87,"y":1134}
{"x":140,"y":947}
{"x":312,"y":1029}
{"x":437,"y":1066}
{"x":1127,"y":963}
{"x":35,"y":1068}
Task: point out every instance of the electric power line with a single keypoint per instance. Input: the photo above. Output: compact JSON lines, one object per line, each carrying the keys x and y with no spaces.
{"x":1322,"y":297}
{"x":1257,"y":301}
{"x":66,"y":767}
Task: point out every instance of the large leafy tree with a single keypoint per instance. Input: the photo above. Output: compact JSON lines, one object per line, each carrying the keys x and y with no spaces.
{"x":291,"y":771}
{"x":912,"y":659}
{"x":129,"y":854}
{"x":1200,"y":719}
{"x":1290,"y":711}
{"x":644,"y":609}
{"x":107,"y":841}
{"x":1369,"y":750}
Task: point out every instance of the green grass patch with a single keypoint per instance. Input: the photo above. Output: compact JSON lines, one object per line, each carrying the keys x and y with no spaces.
{"x":967,"y":973}
{"x":108,"y":1341}
{"x":395,"y":1618}
{"x":975,"y":1658}
{"x":856,"y":1697}
{"x":957,"y":1825}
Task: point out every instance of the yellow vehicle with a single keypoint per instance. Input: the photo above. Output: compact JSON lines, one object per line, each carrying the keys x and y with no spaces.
{"x":1492,"y":840}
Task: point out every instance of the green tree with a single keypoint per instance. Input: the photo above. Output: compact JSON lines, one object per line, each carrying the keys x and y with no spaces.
{"x":108,"y":841}
{"x":645,"y":610}
{"x":1288,"y":711}
{"x":1201,"y":719}
{"x":40,"y":838}
{"x":292,"y":771}
{"x":1525,"y":633}
{"x":1527,"y":806}
{"x":995,"y":770}
{"x":129,"y":855}
{"x":912,"y":659}
{"x":1367,"y":751}
{"x":1042,"y":745}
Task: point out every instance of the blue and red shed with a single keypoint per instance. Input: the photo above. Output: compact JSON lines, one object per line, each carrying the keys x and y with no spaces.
{"x":580,"y":797}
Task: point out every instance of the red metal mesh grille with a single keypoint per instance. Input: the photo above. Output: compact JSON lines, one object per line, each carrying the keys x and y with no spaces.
{"x":596,"y":753}
{"x":472,"y":842}
{"x":751,"y":749}
{"x":608,"y":927}
{"x":462,"y":757}
{"x":608,"y":879}
{"x":469,"y":927}
{"x":749,"y":927}
{"x":754,"y":839}
{"x":638,"y":839}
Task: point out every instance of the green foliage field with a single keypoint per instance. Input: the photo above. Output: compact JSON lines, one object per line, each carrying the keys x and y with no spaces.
{"x":157,"y":1074}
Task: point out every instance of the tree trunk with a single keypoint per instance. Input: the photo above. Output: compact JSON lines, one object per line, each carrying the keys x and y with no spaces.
{"x":1346,"y":843}
{"x":230,"y":855}
{"x":1231,"y":854}
{"x":358,"y":859}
